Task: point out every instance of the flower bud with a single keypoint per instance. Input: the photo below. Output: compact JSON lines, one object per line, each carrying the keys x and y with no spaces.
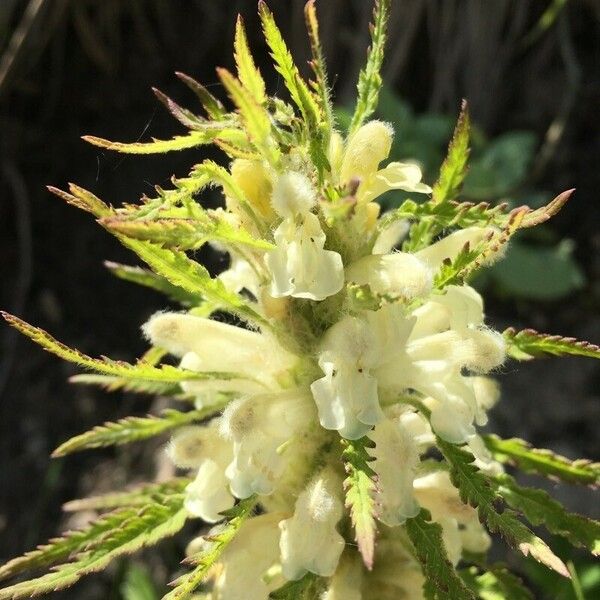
{"x":309,"y":539}
{"x":366,"y":149}
{"x":254,"y":180}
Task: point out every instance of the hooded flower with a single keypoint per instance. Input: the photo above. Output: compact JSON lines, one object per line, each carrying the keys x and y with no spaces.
{"x":247,"y":559}
{"x":309,"y":539}
{"x":396,"y":460}
{"x":300,"y":267}
{"x":201,"y":447}
{"x":346,"y":396}
{"x":206,"y":345}
{"x":258,"y":426}
{"x":366,"y":149}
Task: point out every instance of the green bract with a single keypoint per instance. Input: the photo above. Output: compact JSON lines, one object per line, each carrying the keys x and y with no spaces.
{"x":329,"y":435}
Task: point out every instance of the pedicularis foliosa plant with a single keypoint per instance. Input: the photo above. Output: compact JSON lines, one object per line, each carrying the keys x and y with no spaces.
{"x":327,"y":432}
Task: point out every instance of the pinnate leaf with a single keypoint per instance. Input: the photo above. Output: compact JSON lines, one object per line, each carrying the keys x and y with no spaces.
{"x":180,"y":142}
{"x":192,"y":277}
{"x":133,"y":429}
{"x":153,"y":281}
{"x":140,"y":371}
{"x":441,"y":579}
{"x":131,"y":530}
{"x":369,"y":79}
{"x":454,"y":168}
{"x":248,"y":73}
{"x":540,"y":508}
{"x":184,"y":234}
{"x":477,"y":490}
{"x":140,"y":495}
{"x":360,"y":487}
{"x":528,"y":343}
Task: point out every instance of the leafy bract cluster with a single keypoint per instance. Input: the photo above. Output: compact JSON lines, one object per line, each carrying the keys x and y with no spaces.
{"x":356,"y":352}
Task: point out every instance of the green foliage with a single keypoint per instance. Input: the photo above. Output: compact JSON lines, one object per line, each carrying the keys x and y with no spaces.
{"x":441,"y":579}
{"x":369,"y":79}
{"x":212,"y":105}
{"x":192,"y":277}
{"x":540,"y":509}
{"x":543,"y":462}
{"x":528,"y":343}
{"x":117,"y":534}
{"x":321,"y":83}
{"x":133,"y":429}
{"x":217,"y":543}
{"x":284,"y":63}
{"x":254,"y":115}
{"x":184,"y":234}
{"x":83,"y":200}
{"x":307,"y":588}
{"x":180,"y":142}
{"x":140,"y":371}
{"x":147,"y":278}
{"x":139,"y":495}
{"x":495,"y":583}
{"x":248,"y":74}
{"x":476,"y":489}
{"x":454,"y":168}
{"x":360,"y":487}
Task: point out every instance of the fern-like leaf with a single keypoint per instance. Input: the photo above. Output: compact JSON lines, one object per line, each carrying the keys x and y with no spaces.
{"x":83,"y":200}
{"x":186,"y":584}
{"x":141,"y":371}
{"x":454,"y":167}
{"x":441,"y":580}
{"x":321,"y":85}
{"x":186,"y":117}
{"x":149,"y":279}
{"x":528,"y":343}
{"x":360,"y":487}
{"x":254,"y":115}
{"x":369,"y":79}
{"x":138,"y":496}
{"x":212,"y":105}
{"x":476,"y":489}
{"x":248,"y":73}
{"x":133,"y":429}
{"x":180,"y":142}
{"x":543,"y":462}
{"x":130,"y":531}
{"x":539,"y":508}
{"x":284,"y":63}
{"x":184,"y":234}
{"x":192,"y":277}
{"x":62,"y":548}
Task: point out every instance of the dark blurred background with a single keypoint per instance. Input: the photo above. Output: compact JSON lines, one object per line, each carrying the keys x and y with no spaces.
{"x":530,"y":70}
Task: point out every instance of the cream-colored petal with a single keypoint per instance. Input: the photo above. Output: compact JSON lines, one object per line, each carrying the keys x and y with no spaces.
{"x":395,"y":176}
{"x":396,"y":460}
{"x":309,"y":539}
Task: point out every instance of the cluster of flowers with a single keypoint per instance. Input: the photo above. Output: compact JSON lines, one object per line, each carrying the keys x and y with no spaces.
{"x":368,"y":331}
